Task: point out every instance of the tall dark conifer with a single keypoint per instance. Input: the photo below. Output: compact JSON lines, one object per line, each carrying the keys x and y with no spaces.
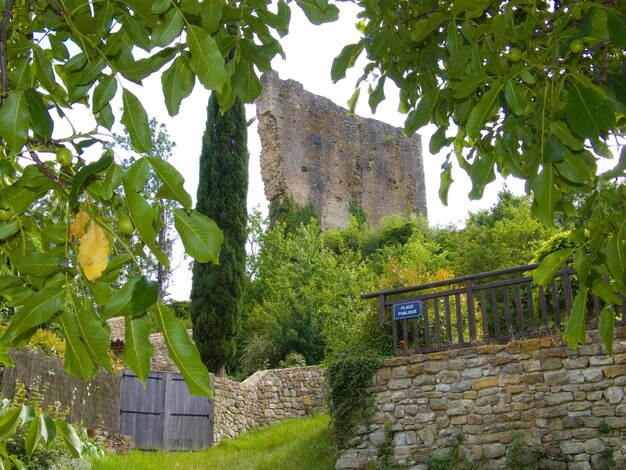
{"x":216,"y":290}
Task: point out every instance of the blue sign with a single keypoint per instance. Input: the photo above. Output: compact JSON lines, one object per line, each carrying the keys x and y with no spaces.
{"x":407,"y":310}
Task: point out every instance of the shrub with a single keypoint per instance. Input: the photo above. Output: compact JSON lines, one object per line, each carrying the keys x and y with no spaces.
{"x":348,"y":377}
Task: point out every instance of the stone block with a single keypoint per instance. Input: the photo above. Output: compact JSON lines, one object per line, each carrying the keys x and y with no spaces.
{"x":399,"y":372}
{"x":575,"y":362}
{"x":556,"y":378}
{"x":612,"y":372}
{"x":551,"y":363}
{"x":603,"y":410}
{"x":614,"y":395}
{"x":485,"y":382}
{"x":593,"y":375}
{"x":439,"y":356}
{"x":572,"y":447}
{"x":558,"y":398}
{"x":413,"y":370}
{"x":490,"y":348}
{"x":448,"y":377}
{"x":472,"y":373}
{"x":532,"y":366}
{"x":424,"y":380}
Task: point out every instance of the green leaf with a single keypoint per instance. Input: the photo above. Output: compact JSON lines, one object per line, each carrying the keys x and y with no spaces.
{"x":112,"y":181}
{"x":172,"y":187}
{"x":575,"y":328}
{"x":422,"y":113}
{"x":546,"y":194}
{"x":177,"y":83}
{"x":39,"y":116}
{"x":468,"y":84}
{"x":588,"y":112}
{"x":119,"y":304}
{"x":616,"y":254}
{"x":200,"y":235}
{"x":345,"y":60}
{"x":84,"y":173}
{"x":483,"y":111}
{"x":169,"y":29}
{"x":354,"y":99}
{"x":78,"y":362}
{"x":38,"y":309}
{"x":137,"y":347}
{"x":105,"y":117}
{"x":183,"y":352}
{"x":206,"y":59}
{"x":45,"y":74}
{"x":137,"y":176}
{"x":212,"y":15}
{"x":550,"y":265}
{"x":9,"y":423}
{"x":143,"y":217}
{"x":161,"y":6}
{"x":446,"y":181}
{"x":5,"y":359}
{"x":135,"y":119}
{"x":95,"y":337}
{"x":245,"y":82}
{"x":103,"y":93}
{"x":316,"y":15}
{"x":617,"y":29}
{"x":606,"y":292}
{"x":482,"y":173}
{"x":48,"y":429}
{"x":145,"y":294}
{"x":38,"y":264}
{"x":9,"y":228}
{"x":14,"y":121}
{"x":69,"y":437}
{"x":377,"y":94}
{"x":33,"y":436}
{"x":515,"y":97}
{"x":137,"y":32}
{"x":561,"y":131}
{"x":424,"y":27}
{"x":607,"y":328}
{"x":104,"y":18}
{"x":574,"y":169}
{"x":101,"y":292}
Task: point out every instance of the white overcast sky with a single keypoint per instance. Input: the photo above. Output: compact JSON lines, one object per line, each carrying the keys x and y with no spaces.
{"x":309,"y":54}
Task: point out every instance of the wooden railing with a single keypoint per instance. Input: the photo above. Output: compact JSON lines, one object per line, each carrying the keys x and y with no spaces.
{"x":495,"y":306}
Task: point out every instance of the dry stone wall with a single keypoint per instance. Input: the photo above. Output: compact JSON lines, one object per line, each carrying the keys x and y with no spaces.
{"x":263,"y":398}
{"x":266,"y":397}
{"x":313,"y":151}
{"x":569,"y":404}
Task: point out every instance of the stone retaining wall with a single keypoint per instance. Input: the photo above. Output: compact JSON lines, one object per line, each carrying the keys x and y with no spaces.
{"x":569,"y":404}
{"x":266,"y":397}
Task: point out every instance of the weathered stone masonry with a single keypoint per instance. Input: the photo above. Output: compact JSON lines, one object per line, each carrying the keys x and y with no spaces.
{"x":266,"y":397}
{"x":313,"y":151}
{"x":569,"y":403}
{"x":263,"y":398}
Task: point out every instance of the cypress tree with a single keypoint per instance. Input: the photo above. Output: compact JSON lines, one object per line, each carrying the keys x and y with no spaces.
{"x":216,"y":291}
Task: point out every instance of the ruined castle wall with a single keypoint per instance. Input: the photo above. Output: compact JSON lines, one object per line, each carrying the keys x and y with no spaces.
{"x":313,"y":151}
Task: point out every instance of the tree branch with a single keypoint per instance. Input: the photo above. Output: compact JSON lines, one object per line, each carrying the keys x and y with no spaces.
{"x":6,"y":17}
{"x":46,"y":171}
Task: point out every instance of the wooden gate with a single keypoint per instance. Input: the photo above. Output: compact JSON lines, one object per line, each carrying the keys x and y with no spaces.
{"x":163,"y":414}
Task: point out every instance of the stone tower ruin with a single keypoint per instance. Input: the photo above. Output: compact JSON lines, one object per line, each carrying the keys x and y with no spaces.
{"x":313,"y":151}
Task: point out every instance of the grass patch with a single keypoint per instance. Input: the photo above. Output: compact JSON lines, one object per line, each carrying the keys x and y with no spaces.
{"x":293,"y":444}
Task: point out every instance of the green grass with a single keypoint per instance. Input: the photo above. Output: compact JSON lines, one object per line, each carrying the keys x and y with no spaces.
{"x":297,"y":444}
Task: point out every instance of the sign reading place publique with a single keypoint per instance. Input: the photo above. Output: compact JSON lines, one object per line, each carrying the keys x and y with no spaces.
{"x":407,"y":310}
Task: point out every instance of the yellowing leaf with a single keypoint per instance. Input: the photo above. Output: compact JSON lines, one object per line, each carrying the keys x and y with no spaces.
{"x":93,"y":251}
{"x":77,"y":228}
